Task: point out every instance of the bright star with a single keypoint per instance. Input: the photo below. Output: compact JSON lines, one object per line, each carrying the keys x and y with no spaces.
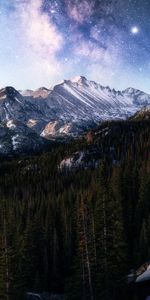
{"x":134,"y":30}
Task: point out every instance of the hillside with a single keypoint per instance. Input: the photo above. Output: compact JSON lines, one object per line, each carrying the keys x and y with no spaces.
{"x":143,"y":114}
{"x":56,"y":223}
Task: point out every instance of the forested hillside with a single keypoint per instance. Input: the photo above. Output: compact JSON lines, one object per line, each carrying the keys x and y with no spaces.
{"x":77,"y":231}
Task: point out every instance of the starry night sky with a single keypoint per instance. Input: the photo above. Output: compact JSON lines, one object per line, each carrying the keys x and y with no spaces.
{"x":45,"y":41}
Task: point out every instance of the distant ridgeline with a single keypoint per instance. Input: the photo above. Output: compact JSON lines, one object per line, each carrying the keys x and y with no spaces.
{"x":77,"y":231}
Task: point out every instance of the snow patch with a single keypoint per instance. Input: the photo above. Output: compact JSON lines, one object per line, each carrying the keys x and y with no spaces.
{"x":72,"y":162}
{"x":31,"y":123}
{"x":18,"y":100}
{"x":34,"y":295}
{"x":6,"y":108}
{"x":15,"y":141}
{"x":76,"y":94}
{"x":6,"y":113}
{"x":10,"y":124}
{"x":66,"y":163}
{"x":144,"y":276}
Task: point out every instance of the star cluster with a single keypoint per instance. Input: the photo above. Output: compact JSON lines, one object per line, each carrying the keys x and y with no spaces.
{"x":44,"y":41}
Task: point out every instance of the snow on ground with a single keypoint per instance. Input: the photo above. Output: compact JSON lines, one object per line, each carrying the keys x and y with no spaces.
{"x":34,"y":296}
{"x":6,"y":113}
{"x":31,"y":123}
{"x":15,"y":141}
{"x":72,"y":162}
{"x":10,"y":124}
{"x":18,"y":100}
{"x":66,"y":163}
{"x":76,"y":94}
{"x":144,"y":276}
{"x":6,"y":108}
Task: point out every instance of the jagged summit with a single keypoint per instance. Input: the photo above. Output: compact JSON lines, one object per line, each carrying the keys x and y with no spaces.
{"x":80,"y":80}
{"x":129,"y":90}
{"x":9,"y":91}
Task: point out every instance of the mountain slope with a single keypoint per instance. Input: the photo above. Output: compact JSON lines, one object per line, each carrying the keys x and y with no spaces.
{"x":81,"y":99}
{"x":16,"y":138}
{"x":112,"y":141}
{"x":69,"y":109}
{"x":143,"y":114}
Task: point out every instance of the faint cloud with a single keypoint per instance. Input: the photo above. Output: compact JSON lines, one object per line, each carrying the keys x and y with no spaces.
{"x":40,"y":33}
{"x":89,"y":50}
{"x":39,"y":41}
{"x":94,"y":53}
{"x":80,"y":11}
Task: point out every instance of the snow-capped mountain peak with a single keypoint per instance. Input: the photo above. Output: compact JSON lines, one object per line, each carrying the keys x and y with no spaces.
{"x":69,"y":108}
{"x":129,"y":90}
{"x":80,"y":80}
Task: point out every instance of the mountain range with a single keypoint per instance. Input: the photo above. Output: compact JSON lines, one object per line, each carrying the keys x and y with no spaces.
{"x":28,"y":118}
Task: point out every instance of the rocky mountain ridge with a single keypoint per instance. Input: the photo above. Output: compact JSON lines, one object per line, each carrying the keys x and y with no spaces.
{"x":67,"y":109}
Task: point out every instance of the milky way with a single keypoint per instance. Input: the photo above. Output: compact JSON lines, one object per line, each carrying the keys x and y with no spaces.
{"x":45,"y":41}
